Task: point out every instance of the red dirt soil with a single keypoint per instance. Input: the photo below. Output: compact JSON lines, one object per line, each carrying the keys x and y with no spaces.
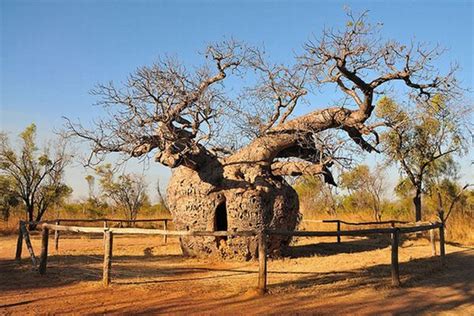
{"x":319,"y":277}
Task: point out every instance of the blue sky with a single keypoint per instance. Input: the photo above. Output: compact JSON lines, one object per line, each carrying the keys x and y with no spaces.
{"x":54,"y":52}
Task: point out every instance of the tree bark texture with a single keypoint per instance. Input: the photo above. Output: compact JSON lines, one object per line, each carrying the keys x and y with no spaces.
{"x":417,"y":202}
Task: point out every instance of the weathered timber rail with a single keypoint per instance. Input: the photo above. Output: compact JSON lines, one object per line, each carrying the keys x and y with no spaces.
{"x":339,"y":222}
{"x":88,"y":220}
{"x":354,"y":223}
{"x":109,"y":232}
{"x":105,"y":221}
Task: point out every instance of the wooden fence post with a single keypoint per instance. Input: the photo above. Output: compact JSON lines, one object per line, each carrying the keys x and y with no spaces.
{"x":105,"y":228}
{"x":19,"y":244}
{"x":394,"y":263}
{"x":44,"y":250}
{"x":56,"y":237}
{"x":433,"y":242}
{"x":108,"y":237}
{"x":262,"y":262}
{"x":338,"y":232}
{"x":165,"y":227}
{"x":442,"y":250}
{"x":26,"y":237}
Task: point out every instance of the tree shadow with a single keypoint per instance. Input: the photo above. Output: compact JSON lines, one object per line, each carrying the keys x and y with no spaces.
{"x":457,"y":274}
{"x":427,"y":273}
{"x":175,"y":269}
{"x":323,"y":249}
{"x":71,"y":269}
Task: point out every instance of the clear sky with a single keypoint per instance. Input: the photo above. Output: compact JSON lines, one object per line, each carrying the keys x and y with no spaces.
{"x":54,"y":52}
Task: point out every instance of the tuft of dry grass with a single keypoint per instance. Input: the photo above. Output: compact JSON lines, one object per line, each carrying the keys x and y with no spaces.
{"x":459,"y":226}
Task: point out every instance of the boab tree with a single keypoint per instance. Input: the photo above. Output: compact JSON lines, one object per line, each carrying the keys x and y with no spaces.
{"x":179,"y":114}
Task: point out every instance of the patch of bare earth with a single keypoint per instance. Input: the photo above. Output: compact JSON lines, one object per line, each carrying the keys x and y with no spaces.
{"x":318,"y":276}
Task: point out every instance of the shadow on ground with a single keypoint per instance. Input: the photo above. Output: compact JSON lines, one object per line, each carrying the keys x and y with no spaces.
{"x":333,"y":248}
{"x":426,"y":274}
{"x":294,"y":291}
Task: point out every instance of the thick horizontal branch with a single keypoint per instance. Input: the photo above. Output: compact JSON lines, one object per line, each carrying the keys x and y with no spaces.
{"x":292,"y":168}
{"x":299,"y":168}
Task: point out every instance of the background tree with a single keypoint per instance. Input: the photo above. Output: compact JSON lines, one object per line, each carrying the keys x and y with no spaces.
{"x":366,"y":188}
{"x":91,"y":186}
{"x":162,"y":201}
{"x":421,"y":140}
{"x":94,"y":203}
{"x":8,"y":197}
{"x":317,"y":195}
{"x":127,"y":191}
{"x":445,"y":193}
{"x":36,"y":175}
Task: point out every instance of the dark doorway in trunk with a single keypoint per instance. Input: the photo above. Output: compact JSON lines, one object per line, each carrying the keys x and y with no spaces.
{"x":220,"y":223}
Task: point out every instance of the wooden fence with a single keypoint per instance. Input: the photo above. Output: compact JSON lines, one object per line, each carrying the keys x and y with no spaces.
{"x":108,"y":238}
{"x":338,"y":223}
{"x":394,"y":232}
{"x":109,"y":232}
{"x":105,"y":222}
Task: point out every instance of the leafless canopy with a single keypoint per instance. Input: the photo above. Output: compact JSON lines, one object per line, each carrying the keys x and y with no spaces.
{"x":177,"y":113}
{"x":361,"y":65}
{"x":164,"y":107}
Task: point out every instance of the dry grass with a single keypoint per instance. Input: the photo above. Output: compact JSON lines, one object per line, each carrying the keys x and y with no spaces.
{"x":318,"y":276}
{"x":11,"y":226}
{"x":459,"y":227}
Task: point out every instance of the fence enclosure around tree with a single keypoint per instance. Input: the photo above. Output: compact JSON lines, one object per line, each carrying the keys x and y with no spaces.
{"x":110,"y":232}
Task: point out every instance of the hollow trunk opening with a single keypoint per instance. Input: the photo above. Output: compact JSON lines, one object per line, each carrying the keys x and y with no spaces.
{"x":220,"y":222}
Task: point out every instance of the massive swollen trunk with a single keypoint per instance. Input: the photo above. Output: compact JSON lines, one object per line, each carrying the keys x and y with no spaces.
{"x":247,"y":190}
{"x":230,"y":203}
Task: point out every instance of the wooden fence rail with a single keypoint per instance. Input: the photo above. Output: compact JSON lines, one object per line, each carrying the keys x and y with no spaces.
{"x":339,"y":222}
{"x":147,"y":231}
{"x":105,"y":222}
{"x":109,"y":232}
{"x":98,"y":220}
{"x":354,"y":223}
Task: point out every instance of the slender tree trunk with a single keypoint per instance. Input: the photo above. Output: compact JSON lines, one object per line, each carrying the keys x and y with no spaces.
{"x":377,"y":209}
{"x":30,"y":215}
{"x":40,"y":210}
{"x":417,"y":202}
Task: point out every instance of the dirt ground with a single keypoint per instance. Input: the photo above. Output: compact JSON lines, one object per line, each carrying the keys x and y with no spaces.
{"x":319,"y":276}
